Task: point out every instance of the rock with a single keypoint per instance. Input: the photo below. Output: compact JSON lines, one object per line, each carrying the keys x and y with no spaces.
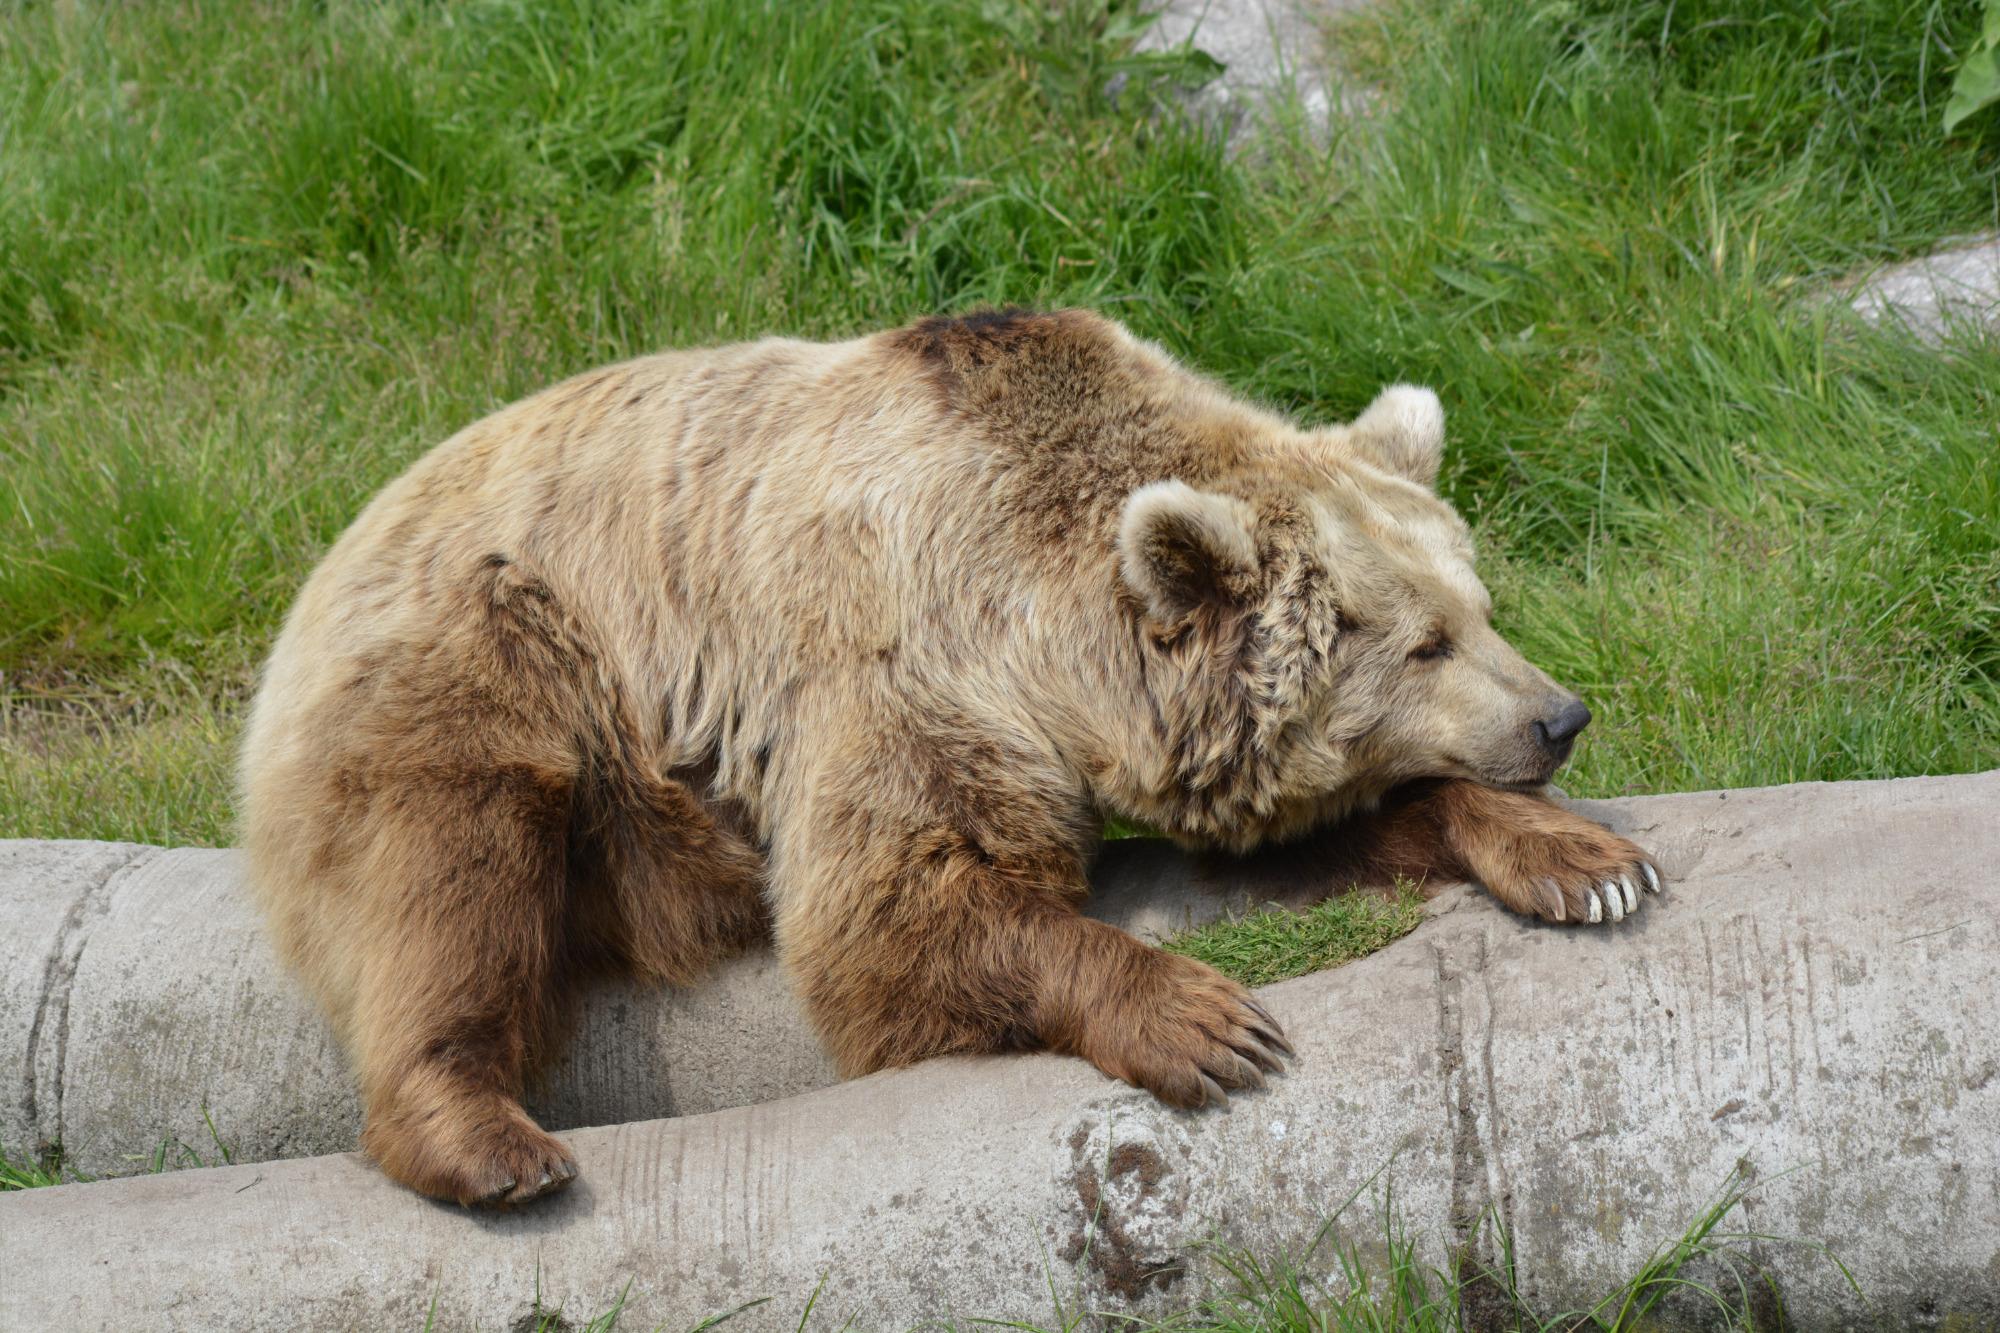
{"x":1957,"y":288}
{"x":1811,"y":1001}
{"x":1272,"y":53}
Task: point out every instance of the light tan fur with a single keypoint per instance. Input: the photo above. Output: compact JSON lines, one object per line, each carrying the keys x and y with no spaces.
{"x":853,"y":644}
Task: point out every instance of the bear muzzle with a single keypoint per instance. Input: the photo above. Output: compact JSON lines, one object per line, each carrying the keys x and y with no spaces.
{"x":1557,"y":732}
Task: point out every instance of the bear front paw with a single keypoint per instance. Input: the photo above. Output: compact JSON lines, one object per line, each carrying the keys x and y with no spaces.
{"x":1567,"y":870}
{"x":1597,"y":896}
{"x":1185,"y":1033}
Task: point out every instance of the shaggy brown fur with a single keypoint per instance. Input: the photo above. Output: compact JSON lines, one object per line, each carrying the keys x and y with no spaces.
{"x":853,"y":644}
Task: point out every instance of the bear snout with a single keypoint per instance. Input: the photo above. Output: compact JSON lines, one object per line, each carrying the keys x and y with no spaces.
{"x":1558,"y":732}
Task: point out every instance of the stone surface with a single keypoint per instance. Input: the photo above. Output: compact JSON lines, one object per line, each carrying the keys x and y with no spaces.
{"x":1272,"y":52}
{"x":1813,"y":999}
{"x":143,"y":1010}
{"x":1955,"y":288}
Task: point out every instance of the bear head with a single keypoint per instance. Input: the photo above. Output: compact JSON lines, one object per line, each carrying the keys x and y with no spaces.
{"x":1316,"y":634}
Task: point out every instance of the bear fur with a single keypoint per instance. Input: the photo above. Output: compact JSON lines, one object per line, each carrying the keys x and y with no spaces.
{"x":852,"y":646}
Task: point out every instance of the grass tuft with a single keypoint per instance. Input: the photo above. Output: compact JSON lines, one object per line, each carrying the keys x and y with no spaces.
{"x":25,"y":1173}
{"x":1269,"y":946}
{"x":1375,"y":1279}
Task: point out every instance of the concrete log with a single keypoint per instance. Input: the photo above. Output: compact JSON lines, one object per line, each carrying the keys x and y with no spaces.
{"x":141,"y":1006}
{"x":1813,"y":1000}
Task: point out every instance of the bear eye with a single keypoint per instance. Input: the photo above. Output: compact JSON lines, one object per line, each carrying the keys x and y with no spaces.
{"x":1431,"y":649}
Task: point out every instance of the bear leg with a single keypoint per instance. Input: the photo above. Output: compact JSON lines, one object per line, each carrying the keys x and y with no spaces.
{"x":464,"y":990}
{"x":958,"y":959}
{"x":680,"y":890}
{"x":930,"y":907}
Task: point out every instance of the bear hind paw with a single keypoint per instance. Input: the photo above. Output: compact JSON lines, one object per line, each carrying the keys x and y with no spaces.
{"x":488,"y":1161}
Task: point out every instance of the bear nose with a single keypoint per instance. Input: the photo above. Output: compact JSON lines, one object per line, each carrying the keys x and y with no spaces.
{"x":1557,"y":732}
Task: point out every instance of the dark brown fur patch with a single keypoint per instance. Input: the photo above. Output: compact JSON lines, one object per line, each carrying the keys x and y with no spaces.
{"x":1080,"y":418}
{"x":958,"y":343}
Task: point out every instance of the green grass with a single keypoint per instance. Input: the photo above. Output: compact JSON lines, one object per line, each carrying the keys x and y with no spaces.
{"x":1381,"y":1282}
{"x":23,"y":1173}
{"x":255,"y":260}
{"x":1268,"y":946}
{"x":146,"y":762}
{"x":49,"y":1166}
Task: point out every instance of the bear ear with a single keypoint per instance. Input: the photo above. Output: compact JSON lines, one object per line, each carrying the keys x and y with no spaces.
{"x":1403,"y":431}
{"x":1180,"y":548}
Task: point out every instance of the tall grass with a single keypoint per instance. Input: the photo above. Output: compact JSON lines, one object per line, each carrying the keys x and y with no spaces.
{"x":255,"y":257}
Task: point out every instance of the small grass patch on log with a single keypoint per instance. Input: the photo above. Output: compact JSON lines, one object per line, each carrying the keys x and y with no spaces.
{"x":1272,"y":945}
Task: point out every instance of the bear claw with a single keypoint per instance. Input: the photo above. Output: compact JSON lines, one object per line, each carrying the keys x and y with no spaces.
{"x":551,"y":1180}
{"x":1610,"y":900}
{"x":1190,"y":1037}
{"x":1267,"y":1032}
{"x":1614,"y":899}
{"x":511,"y":1191}
{"x":1258,"y":1054}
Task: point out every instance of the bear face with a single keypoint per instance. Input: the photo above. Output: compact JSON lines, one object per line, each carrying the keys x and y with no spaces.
{"x":1329,"y":609}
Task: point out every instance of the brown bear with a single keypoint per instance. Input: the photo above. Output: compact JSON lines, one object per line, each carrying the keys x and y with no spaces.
{"x":853,"y":645}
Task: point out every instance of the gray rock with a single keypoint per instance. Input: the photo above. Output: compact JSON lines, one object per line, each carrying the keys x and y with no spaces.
{"x":1272,"y":52}
{"x":1812,"y":1000}
{"x":1953,"y":289}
